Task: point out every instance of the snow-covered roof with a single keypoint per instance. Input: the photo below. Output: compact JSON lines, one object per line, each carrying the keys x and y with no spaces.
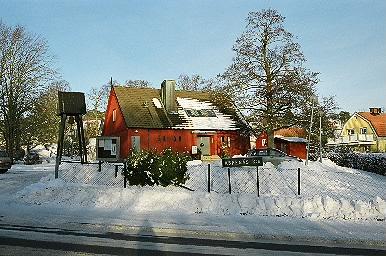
{"x":142,"y":108}
{"x":292,"y":139}
{"x":211,"y":117}
{"x":157,"y":103}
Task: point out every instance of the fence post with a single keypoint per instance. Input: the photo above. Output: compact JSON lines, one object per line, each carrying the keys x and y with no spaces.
{"x":124,"y":174}
{"x":208,"y":178}
{"x":229,"y":180}
{"x":116,"y":171}
{"x":299,"y":181}
{"x":99,"y":166}
{"x":257,"y":181}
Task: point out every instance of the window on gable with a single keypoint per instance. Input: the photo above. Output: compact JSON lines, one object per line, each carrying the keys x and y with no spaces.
{"x":114,"y":115}
{"x":363,"y":130}
{"x":350,"y":131}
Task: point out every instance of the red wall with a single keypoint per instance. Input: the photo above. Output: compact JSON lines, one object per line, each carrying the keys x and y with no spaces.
{"x":159,"y":139}
{"x":298,"y":149}
{"x":183,"y":140}
{"x":117,"y":128}
{"x":262,"y":141}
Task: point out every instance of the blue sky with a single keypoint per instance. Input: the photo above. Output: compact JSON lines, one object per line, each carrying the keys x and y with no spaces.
{"x":155,"y":40}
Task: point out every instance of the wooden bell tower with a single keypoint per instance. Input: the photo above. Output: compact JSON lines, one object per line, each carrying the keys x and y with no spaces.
{"x":73,"y":105}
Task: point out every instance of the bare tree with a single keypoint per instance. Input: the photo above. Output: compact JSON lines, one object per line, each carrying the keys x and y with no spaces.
{"x":268,"y":76}
{"x":138,"y":83}
{"x":25,"y":69}
{"x":196,"y":82}
{"x":97,"y":98}
{"x":190,"y":83}
{"x":41,"y":123}
{"x":324,"y":112}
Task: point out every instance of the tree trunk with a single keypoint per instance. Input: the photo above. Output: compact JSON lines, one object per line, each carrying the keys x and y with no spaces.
{"x":270,"y":135}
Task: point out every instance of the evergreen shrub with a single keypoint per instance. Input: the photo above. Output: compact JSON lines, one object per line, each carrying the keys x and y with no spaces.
{"x":149,"y":168}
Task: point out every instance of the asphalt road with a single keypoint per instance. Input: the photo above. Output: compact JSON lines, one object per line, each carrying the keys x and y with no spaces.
{"x":19,"y":240}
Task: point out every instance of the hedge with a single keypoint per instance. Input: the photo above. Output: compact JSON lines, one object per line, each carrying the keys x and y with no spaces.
{"x":370,"y":162}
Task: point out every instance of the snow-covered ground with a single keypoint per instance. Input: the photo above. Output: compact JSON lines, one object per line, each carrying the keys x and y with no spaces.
{"x":340,"y":189}
{"x":34,"y":187}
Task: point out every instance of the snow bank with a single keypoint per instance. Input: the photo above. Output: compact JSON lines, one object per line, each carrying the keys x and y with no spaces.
{"x":55,"y":192}
{"x":194,"y":162}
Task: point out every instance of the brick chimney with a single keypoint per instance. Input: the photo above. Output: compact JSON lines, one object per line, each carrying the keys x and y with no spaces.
{"x":168,"y":97}
{"x":375,"y":111}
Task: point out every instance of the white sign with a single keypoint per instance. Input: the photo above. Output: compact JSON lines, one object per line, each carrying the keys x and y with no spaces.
{"x":194,"y":150}
{"x":114,"y":149}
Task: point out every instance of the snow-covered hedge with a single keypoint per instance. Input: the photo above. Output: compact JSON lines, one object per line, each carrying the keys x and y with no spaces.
{"x":148,"y":168}
{"x":375,"y":163}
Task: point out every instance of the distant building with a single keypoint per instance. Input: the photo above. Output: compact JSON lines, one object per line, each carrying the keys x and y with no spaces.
{"x":290,"y":140}
{"x":364,"y":131}
{"x":293,"y":146}
{"x":186,"y":121}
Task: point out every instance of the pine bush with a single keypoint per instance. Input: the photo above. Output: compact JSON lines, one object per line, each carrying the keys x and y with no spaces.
{"x":148,"y":168}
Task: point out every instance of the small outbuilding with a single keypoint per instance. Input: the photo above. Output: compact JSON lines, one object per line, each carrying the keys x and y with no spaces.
{"x":289,"y":140}
{"x":293,"y":146}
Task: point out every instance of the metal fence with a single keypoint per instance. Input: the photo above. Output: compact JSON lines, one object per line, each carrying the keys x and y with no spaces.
{"x":261,"y":181}
{"x":303,"y":181}
{"x":244,"y":180}
{"x":94,"y":173}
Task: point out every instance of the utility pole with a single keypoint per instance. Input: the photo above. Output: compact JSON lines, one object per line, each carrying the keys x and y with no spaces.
{"x":313,"y":99}
{"x":320,"y":135}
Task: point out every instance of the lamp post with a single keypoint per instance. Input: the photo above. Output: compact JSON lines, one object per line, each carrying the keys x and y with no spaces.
{"x":313,"y":99}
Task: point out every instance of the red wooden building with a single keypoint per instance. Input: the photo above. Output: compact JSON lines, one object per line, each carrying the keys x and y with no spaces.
{"x":290,"y":141}
{"x":186,"y":121}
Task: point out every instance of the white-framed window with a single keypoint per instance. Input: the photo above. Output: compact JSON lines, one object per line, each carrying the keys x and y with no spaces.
{"x":114,"y":115}
{"x":363,"y":130}
{"x":350,"y":131}
{"x":263,"y":142}
{"x":229,"y":142}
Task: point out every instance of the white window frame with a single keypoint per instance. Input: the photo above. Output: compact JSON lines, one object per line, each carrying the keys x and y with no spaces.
{"x":114,"y":115}
{"x":363,"y":130}
{"x":350,"y":131}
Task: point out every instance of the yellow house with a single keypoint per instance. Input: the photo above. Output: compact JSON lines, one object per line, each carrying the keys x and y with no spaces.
{"x":365,"y":131}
